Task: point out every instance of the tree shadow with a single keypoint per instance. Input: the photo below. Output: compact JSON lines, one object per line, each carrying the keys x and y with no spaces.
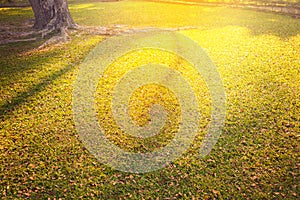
{"x":23,"y":97}
{"x":19,"y":52}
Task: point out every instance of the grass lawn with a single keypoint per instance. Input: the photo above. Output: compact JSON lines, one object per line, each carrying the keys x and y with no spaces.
{"x":257,"y":156}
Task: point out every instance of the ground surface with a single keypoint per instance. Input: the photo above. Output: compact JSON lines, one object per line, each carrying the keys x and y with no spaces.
{"x":258,"y":57}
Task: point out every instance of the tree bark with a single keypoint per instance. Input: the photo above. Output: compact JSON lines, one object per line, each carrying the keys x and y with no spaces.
{"x":52,"y":15}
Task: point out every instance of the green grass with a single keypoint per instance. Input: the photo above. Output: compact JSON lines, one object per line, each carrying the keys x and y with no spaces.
{"x":14,"y":16}
{"x":258,"y":57}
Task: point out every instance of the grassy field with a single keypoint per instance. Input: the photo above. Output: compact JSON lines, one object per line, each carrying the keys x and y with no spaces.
{"x":257,"y":156}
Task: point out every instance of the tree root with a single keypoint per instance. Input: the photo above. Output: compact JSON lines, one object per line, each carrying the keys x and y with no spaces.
{"x":62,"y":35}
{"x":123,"y":29}
{"x":8,"y":41}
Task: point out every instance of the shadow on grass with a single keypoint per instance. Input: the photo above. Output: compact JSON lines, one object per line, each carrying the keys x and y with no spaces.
{"x":24,"y":97}
{"x":14,"y":65}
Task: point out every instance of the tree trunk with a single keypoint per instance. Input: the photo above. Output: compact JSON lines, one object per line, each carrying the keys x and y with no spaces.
{"x":52,"y":15}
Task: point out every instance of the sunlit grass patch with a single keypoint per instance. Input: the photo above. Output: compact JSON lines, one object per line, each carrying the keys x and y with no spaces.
{"x":151,"y":14}
{"x":142,"y":100}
